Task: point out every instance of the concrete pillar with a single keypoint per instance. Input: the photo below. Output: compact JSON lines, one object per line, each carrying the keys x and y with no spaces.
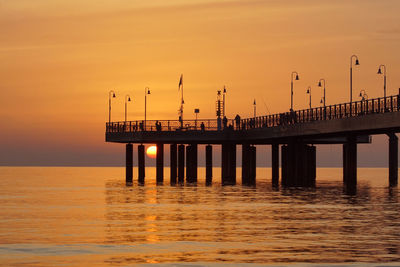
{"x":173,"y":163}
{"x":275,"y":164}
{"x":141,"y":164}
{"x":284,"y":165}
{"x":310,"y":177}
{"x":344,"y":158}
{"x":253,"y":165}
{"x":298,"y":164}
{"x":393,"y":159}
{"x":350,"y":164}
{"x":228,"y":164}
{"x":209,"y":165}
{"x":232,"y":163}
{"x":245,"y":163}
{"x":191,"y":163}
{"x":181,"y":164}
{"x":129,"y":164}
{"x":160,"y":163}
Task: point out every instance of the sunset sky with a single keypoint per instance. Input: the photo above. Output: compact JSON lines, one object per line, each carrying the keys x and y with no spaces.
{"x":59,"y":59}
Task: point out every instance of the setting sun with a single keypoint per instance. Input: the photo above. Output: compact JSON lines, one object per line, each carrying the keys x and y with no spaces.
{"x":151,"y":151}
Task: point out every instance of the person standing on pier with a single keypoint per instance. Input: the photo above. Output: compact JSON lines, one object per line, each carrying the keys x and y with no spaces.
{"x":237,"y":121}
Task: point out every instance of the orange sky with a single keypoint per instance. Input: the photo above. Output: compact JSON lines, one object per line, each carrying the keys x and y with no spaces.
{"x":59,"y":59}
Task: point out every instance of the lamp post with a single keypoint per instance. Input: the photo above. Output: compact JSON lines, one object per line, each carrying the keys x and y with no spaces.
{"x":110,"y":94}
{"x":146,"y":92}
{"x":127,"y":99}
{"x":291,"y":88}
{"x":254,"y":103}
{"x":384,"y":82}
{"x":309,"y":92}
{"x":356,"y":63}
{"x":223,"y":102}
{"x":320,"y":85}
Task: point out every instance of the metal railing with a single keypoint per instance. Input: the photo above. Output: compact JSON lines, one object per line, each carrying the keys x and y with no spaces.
{"x":338,"y":111}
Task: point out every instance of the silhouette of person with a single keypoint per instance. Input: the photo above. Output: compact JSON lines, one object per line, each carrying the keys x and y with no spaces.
{"x":237,"y":120}
{"x":225,"y":122}
{"x":202,"y":127}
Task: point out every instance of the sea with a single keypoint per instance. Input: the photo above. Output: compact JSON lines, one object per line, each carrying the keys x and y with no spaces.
{"x":88,"y":216}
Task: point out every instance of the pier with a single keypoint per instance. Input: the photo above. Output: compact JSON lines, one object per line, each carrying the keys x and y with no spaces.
{"x":291,"y":135}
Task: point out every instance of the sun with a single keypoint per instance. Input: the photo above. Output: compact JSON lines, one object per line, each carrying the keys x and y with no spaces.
{"x":151,"y":152}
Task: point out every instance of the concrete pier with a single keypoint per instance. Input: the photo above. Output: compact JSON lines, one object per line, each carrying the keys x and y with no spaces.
{"x":298,"y":164}
{"x":141,"y":164}
{"x":191,"y":163}
{"x":275,"y":163}
{"x":246,"y":163}
{"x":350,"y":163}
{"x":253,"y":165}
{"x":228,"y":163}
{"x":181,"y":164}
{"x":173,"y":163}
{"x":209,"y":165}
{"x":129,"y":164}
{"x":160,"y":163}
{"x":393,"y":159}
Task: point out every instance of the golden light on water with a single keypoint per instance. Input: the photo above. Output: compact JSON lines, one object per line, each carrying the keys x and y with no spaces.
{"x":151,"y":152}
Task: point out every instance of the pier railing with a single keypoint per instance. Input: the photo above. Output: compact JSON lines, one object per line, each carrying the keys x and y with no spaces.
{"x":331,"y":112}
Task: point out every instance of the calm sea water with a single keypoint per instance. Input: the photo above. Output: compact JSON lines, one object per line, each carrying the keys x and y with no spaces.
{"x":88,"y":217}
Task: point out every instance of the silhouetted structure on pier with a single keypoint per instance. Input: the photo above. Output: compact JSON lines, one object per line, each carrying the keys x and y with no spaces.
{"x":296,"y":132}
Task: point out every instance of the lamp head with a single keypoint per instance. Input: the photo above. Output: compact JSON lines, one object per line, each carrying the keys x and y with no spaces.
{"x":308,"y":91}
{"x":360,"y":95}
{"x":148,"y":91}
{"x":113,"y":94}
{"x":224,"y":90}
{"x":357,"y":62}
{"x":297,"y":77}
{"x":129,"y":99}
{"x":321,"y":101}
{"x":379,"y":71}
{"x":319,"y":84}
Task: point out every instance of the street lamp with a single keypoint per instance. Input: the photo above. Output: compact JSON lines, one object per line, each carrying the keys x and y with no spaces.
{"x":254,"y":103}
{"x":146,"y":92}
{"x":110,"y":94}
{"x":309,"y":92}
{"x":356,"y":63}
{"x":291,"y":87}
{"x":127,"y":99}
{"x":384,"y":81}
{"x":223,"y":102}
{"x":320,"y":85}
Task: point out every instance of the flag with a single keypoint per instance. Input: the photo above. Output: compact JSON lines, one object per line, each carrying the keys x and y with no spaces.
{"x":180,"y":82}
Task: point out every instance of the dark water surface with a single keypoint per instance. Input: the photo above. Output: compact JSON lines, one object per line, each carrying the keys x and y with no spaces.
{"x":88,"y":217}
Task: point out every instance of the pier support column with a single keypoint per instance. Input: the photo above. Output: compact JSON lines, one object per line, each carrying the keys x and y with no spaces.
{"x":173,"y":163}
{"x":228,"y":164}
{"x":209,"y":165}
{"x":191,"y":163}
{"x":275,"y":164}
{"x":246,"y":162}
{"x":253,"y":165}
{"x":181,"y":164}
{"x":298,"y":164}
{"x":141,"y":164}
{"x":160,"y":163}
{"x":350,"y":164}
{"x":129,"y":164}
{"x":393,"y":159}
{"x":284,"y":165}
